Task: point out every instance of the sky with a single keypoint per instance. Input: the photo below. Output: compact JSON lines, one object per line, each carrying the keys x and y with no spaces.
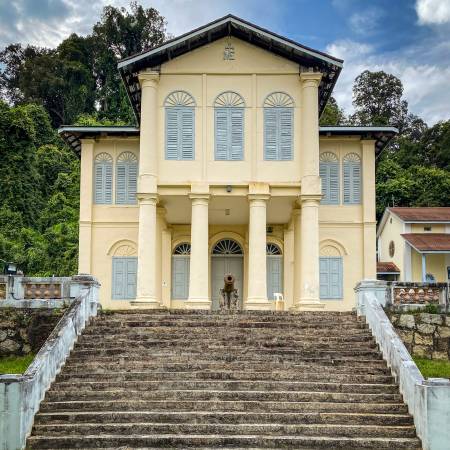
{"x":408,"y":38}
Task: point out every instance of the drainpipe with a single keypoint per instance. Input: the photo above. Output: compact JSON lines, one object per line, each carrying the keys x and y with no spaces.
{"x":424,"y":268}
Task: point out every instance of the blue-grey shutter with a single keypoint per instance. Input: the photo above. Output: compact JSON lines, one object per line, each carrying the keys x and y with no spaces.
{"x":187,"y":133}
{"x":121,"y":183}
{"x":132,"y":173}
{"x":118,"y":278}
{"x":324,"y":277}
{"x":124,"y":278}
{"x":285,"y":137}
{"x":270,"y":134}
{"x":324,"y":174}
{"x":237,"y":134}
{"x":274,"y":276}
{"x":131,"y":277}
{"x":222,"y":140}
{"x":103,"y":183}
{"x":329,"y":173}
{"x":172,"y":133}
{"x":352,"y":182}
{"x":180,"y":277}
{"x":331,"y":276}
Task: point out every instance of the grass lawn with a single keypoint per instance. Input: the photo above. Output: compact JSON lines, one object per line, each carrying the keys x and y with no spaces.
{"x":15,"y":364}
{"x":433,"y":368}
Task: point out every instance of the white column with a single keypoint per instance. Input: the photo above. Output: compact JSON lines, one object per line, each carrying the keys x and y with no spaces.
{"x":257,"y":269}
{"x":147,"y":194}
{"x":424,"y":267}
{"x":198,"y":273}
{"x":310,"y":194}
{"x":297,"y":219}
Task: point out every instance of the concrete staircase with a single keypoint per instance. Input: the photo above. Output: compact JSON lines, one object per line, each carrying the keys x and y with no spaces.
{"x":188,"y":379}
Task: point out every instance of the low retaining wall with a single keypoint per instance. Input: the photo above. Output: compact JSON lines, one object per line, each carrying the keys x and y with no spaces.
{"x":424,"y":335}
{"x":20,"y":395}
{"x":24,"y":331}
{"x":428,"y":400}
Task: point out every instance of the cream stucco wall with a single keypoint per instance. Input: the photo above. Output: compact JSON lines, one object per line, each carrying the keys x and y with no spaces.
{"x":392,"y":231}
{"x":344,"y":230}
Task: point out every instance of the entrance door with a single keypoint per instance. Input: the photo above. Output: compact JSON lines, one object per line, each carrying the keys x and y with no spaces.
{"x":227,"y":258}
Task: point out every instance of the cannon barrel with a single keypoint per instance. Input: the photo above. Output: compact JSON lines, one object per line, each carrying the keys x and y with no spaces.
{"x":228,"y":282}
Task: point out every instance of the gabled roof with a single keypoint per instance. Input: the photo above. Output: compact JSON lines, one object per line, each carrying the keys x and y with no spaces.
{"x":73,"y":134}
{"x":230,"y":25}
{"x":428,"y":242}
{"x":428,"y":214}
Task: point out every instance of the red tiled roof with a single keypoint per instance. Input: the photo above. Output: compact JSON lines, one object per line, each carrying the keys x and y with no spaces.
{"x":432,"y":242}
{"x":434,"y":214}
{"x":387,"y":267}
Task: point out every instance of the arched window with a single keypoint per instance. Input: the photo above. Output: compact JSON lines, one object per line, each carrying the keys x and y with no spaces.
{"x":274,"y":270}
{"x":126,"y":178}
{"x":229,"y":124}
{"x":329,"y":174}
{"x":124,"y":271}
{"x":227,"y":247}
{"x":180,"y":271}
{"x":278,"y":127}
{"x":331,"y":273}
{"x":180,"y":129}
{"x":103,"y":169}
{"x":352,"y":179}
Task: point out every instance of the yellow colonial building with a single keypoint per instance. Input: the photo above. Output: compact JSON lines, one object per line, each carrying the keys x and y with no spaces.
{"x":228,"y":172}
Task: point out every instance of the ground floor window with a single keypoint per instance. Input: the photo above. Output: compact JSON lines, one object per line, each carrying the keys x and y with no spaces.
{"x":180,"y":271}
{"x":330,"y":277}
{"x":124,"y":271}
{"x":274,"y":270}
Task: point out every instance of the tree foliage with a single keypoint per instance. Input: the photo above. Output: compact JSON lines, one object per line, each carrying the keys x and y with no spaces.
{"x":332,"y":115}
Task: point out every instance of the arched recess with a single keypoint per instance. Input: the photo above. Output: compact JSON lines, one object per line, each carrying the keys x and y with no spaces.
{"x":126,"y":178}
{"x":331,"y":247}
{"x":181,"y":260}
{"x":331,"y":269}
{"x":103,"y":178}
{"x":223,"y":263}
{"x":124,"y":247}
{"x":274,"y":269}
{"x":329,"y":175}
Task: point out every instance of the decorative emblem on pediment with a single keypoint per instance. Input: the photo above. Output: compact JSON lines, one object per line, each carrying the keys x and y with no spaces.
{"x":229,"y":53}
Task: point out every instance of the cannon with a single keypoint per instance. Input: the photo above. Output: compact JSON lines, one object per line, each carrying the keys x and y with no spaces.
{"x":229,"y":294}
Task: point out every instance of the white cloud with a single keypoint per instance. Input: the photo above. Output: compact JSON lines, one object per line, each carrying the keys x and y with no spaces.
{"x":433,"y":12}
{"x":425,"y":84}
{"x":365,"y":22}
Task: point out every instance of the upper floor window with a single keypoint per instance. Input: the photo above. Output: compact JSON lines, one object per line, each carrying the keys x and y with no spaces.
{"x":278,"y":127}
{"x":329,"y":174}
{"x":103,"y":167}
{"x":180,"y":130}
{"x":352,"y":178}
{"x":126,"y":178}
{"x":229,"y":124}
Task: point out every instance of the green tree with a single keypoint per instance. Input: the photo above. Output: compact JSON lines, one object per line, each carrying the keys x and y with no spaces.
{"x":332,"y":115}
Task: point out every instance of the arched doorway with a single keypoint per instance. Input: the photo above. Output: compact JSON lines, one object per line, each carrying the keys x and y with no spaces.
{"x":274,"y":270}
{"x":226,"y":257}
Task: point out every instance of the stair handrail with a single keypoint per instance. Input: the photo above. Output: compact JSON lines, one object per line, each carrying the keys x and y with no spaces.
{"x":21,"y":395}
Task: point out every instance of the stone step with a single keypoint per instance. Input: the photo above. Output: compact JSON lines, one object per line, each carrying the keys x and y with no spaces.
{"x":340,"y":365}
{"x":249,"y":427}
{"x":85,"y":386}
{"x":122,"y":376}
{"x":229,"y":441}
{"x":54,"y":395}
{"x":193,"y":407}
{"x":261,"y":354}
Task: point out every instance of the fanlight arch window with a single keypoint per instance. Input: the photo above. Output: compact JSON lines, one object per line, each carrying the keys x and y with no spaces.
{"x":329,"y":174}
{"x":229,"y":108}
{"x":278,"y":127}
{"x":180,"y":126}
{"x":126,"y":178}
{"x":227,"y":247}
{"x":181,"y":257}
{"x":352,"y":179}
{"x":103,"y":175}
{"x":274,"y":262}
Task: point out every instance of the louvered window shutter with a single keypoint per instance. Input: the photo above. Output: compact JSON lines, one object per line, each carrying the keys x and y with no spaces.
{"x":187,"y":133}
{"x":331,"y":276}
{"x":325,"y":177}
{"x":172,"y":133}
{"x":131,"y":277}
{"x":132,"y":173}
{"x":237,"y":134}
{"x":352,"y":182}
{"x":222,"y":134}
{"x":103,"y":183}
{"x":121,"y":184}
{"x":270,"y":134}
{"x":118,"y":282}
{"x":333,"y":170}
{"x":285,"y":136}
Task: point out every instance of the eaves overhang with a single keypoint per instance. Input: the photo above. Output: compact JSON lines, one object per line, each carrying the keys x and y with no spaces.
{"x":306,"y":57}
